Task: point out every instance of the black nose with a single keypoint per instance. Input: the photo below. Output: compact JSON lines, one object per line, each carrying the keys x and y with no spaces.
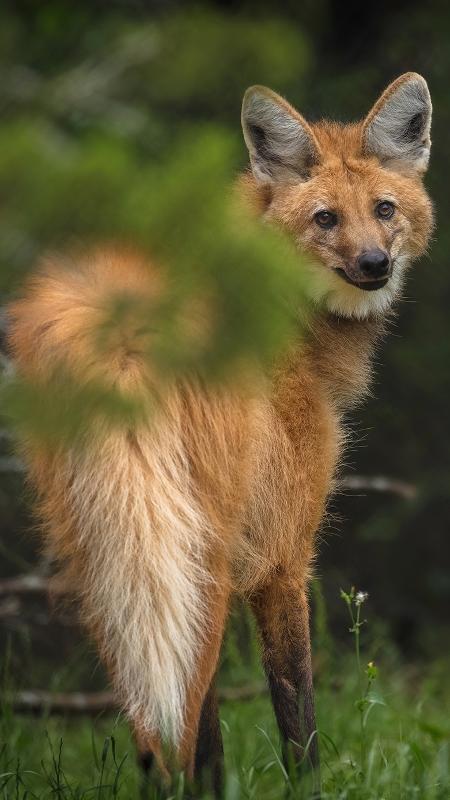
{"x":374,"y":263}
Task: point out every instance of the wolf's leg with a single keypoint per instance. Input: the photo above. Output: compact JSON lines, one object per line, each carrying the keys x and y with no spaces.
{"x":209,"y":750}
{"x":154,"y":773}
{"x":282,"y":614}
{"x":200,"y":753}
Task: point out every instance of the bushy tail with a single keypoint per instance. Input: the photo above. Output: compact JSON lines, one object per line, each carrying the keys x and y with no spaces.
{"x":120,"y":511}
{"x":142,"y":537}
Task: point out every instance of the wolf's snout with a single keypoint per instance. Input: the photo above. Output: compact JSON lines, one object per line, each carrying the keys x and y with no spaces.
{"x":374,"y":264}
{"x":370,"y":270}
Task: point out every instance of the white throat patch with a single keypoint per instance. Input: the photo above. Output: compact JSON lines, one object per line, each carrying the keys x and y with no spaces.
{"x":341,"y":298}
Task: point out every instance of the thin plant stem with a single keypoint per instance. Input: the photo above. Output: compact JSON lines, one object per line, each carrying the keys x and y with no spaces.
{"x":360,"y":687}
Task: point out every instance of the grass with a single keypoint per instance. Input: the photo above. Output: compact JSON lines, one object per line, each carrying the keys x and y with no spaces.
{"x":382,"y":736}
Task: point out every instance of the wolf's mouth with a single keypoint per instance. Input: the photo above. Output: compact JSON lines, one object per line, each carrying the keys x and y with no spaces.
{"x":367,"y":286}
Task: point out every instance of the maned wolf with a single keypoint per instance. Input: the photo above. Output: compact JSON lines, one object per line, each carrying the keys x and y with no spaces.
{"x":221,"y":493}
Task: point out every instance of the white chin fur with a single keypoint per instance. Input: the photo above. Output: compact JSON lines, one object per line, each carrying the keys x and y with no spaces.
{"x":345,"y":300}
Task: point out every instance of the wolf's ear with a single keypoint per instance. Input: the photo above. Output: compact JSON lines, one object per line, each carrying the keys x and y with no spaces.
{"x":397,"y":129}
{"x":281,"y":144}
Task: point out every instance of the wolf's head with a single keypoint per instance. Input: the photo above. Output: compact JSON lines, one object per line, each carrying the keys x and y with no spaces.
{"x":351,"y":195}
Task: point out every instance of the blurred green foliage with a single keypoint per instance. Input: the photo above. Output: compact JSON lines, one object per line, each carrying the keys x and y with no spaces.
{"x":74,"y":168}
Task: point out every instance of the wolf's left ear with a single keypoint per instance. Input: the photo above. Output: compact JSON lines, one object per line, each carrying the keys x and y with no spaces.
{"x":281,"y":144}
{"x":397,"y":129}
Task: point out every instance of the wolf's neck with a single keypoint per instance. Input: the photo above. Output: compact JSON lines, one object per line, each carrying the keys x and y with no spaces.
{"x":336,"y":351}
{"x":340,"y":352}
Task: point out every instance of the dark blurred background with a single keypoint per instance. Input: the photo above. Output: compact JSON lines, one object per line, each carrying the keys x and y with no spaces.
{"x":123,"y":83}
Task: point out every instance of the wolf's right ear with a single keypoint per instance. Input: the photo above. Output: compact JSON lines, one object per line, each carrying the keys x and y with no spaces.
{"x":397,"y":129}
{"x":281,"y":144}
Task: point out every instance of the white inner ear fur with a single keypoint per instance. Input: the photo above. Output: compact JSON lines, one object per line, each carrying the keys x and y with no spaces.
{"x":280,"y":145}
{"x":399,"y":132}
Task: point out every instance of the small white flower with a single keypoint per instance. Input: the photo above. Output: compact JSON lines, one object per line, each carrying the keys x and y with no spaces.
{"x":361,"y":597}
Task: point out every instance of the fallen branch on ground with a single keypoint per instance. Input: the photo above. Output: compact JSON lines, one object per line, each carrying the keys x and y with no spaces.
{"x":37,"y":701}
{"x":378,"y":483}
{"x":32,"y":583}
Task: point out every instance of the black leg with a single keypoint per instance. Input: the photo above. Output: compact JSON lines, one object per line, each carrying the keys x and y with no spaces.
{"x":282,"y":614}
{"x":151,"y":787}
{"x":145,"y":761}
{"x":209,"y":752}
{"x":155,"y":780}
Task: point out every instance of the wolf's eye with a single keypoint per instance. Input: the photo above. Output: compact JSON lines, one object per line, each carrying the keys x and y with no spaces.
{"x":385,"y":209}
{"x":326,"y":219}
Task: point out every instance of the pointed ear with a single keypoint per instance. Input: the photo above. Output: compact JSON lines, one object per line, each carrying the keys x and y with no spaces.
{"x":397,"y":129}
{"x":281,"y":144}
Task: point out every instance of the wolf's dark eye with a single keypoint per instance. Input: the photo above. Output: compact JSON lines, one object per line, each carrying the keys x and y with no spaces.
{"x":326,"y":219}
{"x":385,"y":209}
